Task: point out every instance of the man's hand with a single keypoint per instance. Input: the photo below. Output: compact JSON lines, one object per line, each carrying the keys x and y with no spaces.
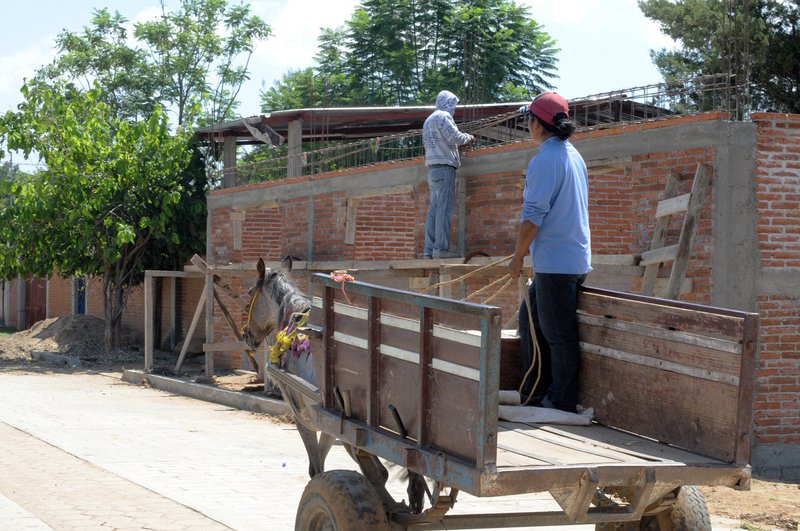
{"x":515,"y":266}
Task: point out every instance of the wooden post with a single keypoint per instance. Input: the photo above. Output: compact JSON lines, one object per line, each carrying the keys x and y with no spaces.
{"x":148,"y":321}
{"x":200,"y":305}
{"x":461,"y":214}
{"x":209,"y":295}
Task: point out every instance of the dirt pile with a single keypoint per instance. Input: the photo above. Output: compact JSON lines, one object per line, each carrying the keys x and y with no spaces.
{"x":77,"y":336}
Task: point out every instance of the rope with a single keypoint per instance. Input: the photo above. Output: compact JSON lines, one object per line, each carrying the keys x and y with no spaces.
{"x":286,"y":338}
{"x":537,"y":354}
{"x":487,"y":286}
{"x":341,"y":275}
{"x":498,"y":292}
{"x":250,"y":310}
{"x":467,"y":275}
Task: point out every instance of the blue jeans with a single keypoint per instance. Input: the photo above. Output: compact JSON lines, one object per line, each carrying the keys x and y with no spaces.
{"x":442,"y":186}
{"x":554,"y":303}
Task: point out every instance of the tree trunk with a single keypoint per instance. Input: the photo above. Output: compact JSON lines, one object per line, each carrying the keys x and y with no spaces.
{"x":108,"y":310}
{"x":113,"y":300}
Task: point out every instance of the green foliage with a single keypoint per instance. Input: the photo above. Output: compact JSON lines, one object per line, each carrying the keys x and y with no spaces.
{"x":711,"y":36}
{"x":121,"y":193}
{"x":169,"y":62}
{"x":403,"y":52}
{"x":111,"y":188}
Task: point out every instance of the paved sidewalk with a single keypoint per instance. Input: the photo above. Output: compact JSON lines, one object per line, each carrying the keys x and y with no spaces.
{"x":91,"y":452}
{"x":83,"y":451}
{"x":67,"y":492}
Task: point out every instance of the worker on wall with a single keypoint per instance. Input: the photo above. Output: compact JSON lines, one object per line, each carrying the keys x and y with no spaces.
{"x":441,"y":139}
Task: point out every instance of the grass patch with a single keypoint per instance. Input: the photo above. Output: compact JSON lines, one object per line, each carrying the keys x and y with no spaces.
{"x":6,"y":330}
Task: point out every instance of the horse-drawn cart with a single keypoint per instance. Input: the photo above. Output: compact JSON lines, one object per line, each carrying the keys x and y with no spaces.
{"x":415,"y":379}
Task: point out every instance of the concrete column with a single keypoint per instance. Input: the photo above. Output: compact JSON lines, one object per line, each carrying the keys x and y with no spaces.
{"x":229,"y":159}
{"x":295,"y":142}
{"x":461,"y":214}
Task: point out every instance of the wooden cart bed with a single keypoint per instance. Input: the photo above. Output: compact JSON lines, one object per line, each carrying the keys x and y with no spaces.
{"x":677,"y":373}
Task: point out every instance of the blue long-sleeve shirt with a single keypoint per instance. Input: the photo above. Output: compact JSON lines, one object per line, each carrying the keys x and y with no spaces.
{"x":556,"y":199}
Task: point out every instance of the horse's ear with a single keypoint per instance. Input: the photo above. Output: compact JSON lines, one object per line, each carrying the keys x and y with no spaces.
{"x":286,"y":265}
{"x":260,"y":268}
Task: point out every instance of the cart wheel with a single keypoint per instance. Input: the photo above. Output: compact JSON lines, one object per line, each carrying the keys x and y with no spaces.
{"x":340,"y":500}
{"x":688,"y":513}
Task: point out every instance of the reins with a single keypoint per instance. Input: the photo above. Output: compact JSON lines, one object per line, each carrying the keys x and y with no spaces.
{"x":250,"y":308}
{"x":537,"y":354}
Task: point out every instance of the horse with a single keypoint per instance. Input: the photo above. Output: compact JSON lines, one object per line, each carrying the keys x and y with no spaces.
{"x":277,"y":304}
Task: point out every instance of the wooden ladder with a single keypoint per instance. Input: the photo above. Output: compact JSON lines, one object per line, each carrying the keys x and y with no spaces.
{"x":678,"y":254}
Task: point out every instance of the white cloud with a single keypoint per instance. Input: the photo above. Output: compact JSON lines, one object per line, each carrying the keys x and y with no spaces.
{"x":605,"y":44}
{"x":22,"y":64}
{"x":293,"y":43}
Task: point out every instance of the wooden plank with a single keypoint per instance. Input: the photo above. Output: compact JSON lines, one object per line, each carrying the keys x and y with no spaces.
{"x":659,"y":237}
{"x":702,"y":180}
{"x":712,"y":322}
{"x":747,"y":383}
{"x":190,"y":334}
{"x":456,"y":423}
{"x":536,"y":433}
{"x":209,"y":293}
{"x":172,"y":274}
{"x":426,"y":376}
{"x":373,"y":342}
{"x":224,"y":346}
{"x":693,"y":413}
{"x":656,"y":363}
{"x":688,"y":338}
{"x":547,"y":450}
{"x":672,"y":205}
{"x":511,"y":458}
{"x":660,"y":255}
{"x":400,"y":387}
{"x":693,"y":354}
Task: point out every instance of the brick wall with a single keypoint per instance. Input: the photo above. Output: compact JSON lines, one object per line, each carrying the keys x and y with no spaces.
{"x":383,"y":208}
{"x":59,"y":296}
{"x":777,"y":414}
{"x":385,"y":227}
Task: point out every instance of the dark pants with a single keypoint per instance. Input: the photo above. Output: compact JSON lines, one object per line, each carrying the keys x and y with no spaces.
{"x":554,"y":303}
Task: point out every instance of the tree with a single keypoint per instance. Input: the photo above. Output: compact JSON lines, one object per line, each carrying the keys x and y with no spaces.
{"x":759,"y":47}
{"x":111,"y":194}
{"x":401,"y":52}
{"x":120,"y":194}
{"x":191,"y":61}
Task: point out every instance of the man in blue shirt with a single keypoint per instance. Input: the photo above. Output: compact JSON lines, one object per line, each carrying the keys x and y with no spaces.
{"x":441,"y":139}
{"x":555,"y":230}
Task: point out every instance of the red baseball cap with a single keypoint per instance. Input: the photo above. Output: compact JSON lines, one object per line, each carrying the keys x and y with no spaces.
{"x":547,"y":104}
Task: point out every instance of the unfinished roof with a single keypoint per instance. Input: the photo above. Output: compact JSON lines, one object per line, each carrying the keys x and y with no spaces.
{"x":342,"y":123}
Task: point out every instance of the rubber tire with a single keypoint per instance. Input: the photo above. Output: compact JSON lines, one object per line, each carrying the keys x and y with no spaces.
{"x":340,"y":500}
{"x":689,"y":512}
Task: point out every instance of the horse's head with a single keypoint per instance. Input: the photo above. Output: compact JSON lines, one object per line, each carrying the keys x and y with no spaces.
{"x":269,"y":297}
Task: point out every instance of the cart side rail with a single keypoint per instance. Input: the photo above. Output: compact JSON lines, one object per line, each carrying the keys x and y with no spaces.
{"x":677,"y":372}
{"x":420,"y":369}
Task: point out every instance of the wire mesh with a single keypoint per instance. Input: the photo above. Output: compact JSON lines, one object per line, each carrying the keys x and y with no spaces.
{"x":637,"y":104}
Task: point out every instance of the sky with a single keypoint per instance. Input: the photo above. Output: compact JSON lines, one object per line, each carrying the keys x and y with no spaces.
{"x":605,"y":44}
